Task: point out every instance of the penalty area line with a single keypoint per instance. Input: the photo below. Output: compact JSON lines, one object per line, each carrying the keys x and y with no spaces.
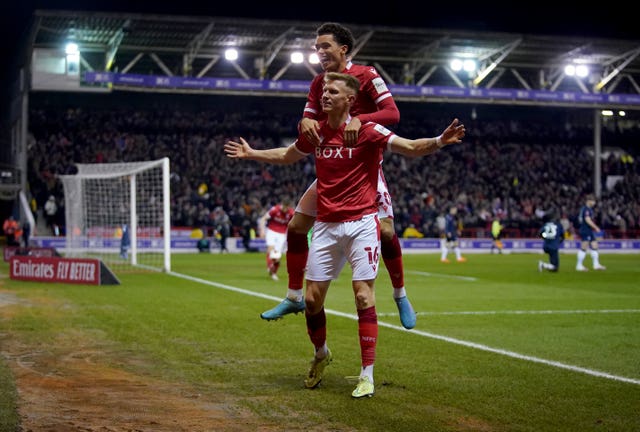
{"x":442,"y":275}
{"x":455,"y":341}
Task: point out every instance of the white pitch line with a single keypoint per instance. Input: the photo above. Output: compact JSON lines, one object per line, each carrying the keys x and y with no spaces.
{"x":223,"y":286}
{"x":524,"y":312}
{"x":442,"y":275}
{"x":533,"y":359}
{"x":464,"y":343}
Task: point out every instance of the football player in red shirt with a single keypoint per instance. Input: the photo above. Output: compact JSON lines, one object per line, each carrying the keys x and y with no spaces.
{"x":374,"y":102}
{"x":346,"y":226}
{"x":272,"y":226}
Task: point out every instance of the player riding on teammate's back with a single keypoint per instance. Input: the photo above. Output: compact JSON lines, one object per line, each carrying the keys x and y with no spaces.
{"x":374,"y":103}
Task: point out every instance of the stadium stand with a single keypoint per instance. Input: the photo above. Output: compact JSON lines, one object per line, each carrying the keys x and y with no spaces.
{"x":512,"y":162}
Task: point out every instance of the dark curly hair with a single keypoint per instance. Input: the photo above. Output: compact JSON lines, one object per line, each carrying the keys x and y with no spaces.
{"x":340,"y":34}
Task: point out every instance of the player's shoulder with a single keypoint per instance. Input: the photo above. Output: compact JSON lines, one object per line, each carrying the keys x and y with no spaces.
{"x":318,"y":79}
{"x":359,"y":70}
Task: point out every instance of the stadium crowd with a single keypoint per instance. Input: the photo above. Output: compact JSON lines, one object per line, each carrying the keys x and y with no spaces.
{"x":517,"y":165}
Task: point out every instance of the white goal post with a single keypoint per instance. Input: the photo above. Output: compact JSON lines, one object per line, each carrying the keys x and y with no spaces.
{"x":107,"y":203}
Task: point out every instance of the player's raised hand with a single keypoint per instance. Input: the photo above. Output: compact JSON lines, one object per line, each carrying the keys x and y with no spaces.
{"x":453,"y":134}
{"x":237,"y":150}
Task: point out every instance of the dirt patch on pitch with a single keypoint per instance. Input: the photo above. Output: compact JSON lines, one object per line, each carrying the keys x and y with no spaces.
{"x":74,"y":383}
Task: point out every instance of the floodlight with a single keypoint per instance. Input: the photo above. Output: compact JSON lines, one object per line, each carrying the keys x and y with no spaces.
{"x":579,"y":70}
{"x":71,"y":48}
{"x":313,"y":58}
{"x":297,"y":57}
{"x":469,"y":65}
{"x":570,"y":70}
{"x":607,"y":113}
{"x":231,"y":54}
{"x":582,"y":70}
{"x":465,"y":64}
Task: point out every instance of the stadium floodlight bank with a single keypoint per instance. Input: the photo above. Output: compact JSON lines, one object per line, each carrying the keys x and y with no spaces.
{"x":108,"y":201}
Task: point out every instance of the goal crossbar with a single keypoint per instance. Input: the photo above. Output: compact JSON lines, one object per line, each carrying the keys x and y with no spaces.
{"x":115,"y":169}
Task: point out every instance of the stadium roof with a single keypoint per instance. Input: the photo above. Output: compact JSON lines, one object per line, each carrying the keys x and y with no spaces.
{"x":193,"y":46}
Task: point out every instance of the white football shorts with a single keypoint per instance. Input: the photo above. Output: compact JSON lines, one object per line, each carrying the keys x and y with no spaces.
{"x":335,"y":243}
{"x":277,"y":240}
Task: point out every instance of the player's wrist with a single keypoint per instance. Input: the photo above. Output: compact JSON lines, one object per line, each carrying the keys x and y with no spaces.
{"x":439,"y":142}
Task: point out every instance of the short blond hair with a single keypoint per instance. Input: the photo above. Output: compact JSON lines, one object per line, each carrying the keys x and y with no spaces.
{"x":349,"y":80}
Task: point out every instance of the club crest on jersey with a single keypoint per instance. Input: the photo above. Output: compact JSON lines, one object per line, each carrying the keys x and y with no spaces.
{"x":331,"y":152}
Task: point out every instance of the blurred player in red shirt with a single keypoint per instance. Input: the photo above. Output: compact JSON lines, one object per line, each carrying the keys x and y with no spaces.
{"x":272,"y":226}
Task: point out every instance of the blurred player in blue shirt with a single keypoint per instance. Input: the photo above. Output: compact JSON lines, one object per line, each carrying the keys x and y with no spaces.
{"x":125,"y":242}
{"x":450,"y":240}
{"x":589,"y":232}
{"x":553,"y":235}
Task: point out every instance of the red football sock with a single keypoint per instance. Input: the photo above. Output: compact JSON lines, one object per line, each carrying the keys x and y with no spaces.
{"x":392,"y":257}
{"x":297,"y":253}
{"x":368,"y":333}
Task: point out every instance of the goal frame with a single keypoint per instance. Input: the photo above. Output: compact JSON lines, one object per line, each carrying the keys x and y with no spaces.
{"x":129,"y":170}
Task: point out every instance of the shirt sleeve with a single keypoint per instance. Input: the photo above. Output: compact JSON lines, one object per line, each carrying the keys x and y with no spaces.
{"x":312,"y":107}
{"x":387,"y":112}
{"x":303,"y":146}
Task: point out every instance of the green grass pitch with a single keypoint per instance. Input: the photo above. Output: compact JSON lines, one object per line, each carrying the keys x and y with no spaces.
{"x":498,"y":345}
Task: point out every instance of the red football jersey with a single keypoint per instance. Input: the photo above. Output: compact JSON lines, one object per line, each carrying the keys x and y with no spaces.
{"x":374,"y":102}
{"x":279,"y":218}
{"x":347,"y":176}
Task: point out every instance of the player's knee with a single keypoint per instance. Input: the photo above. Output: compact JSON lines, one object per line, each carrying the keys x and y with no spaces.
{"x":364,"y":299}
{"x":313,"y":304}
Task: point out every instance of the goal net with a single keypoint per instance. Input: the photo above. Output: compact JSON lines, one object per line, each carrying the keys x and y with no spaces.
{"x":119,"y":213}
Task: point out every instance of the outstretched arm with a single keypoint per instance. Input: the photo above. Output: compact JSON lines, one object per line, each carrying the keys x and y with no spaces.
{"x":453,"y":134}
{"x":274,"y":156}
